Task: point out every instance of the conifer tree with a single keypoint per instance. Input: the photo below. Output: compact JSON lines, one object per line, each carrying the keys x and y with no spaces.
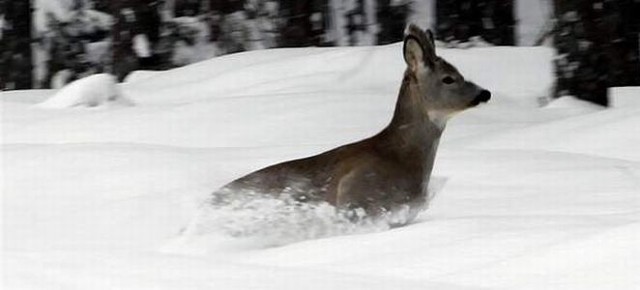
{"x":597,"y":43}
{"x":15,"y":45}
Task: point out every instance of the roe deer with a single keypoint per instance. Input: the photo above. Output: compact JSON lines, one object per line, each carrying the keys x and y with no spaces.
{"x":389,"y":172}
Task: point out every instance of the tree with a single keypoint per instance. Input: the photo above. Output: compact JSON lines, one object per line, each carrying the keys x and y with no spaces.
{"x":392,"y":18}
{"x":124,"y":60}
{"x":15,"y":45}
{"x":137,"y":36}
{"x":298,"y":30}
{"x":597,"y":43}
{"x":459,"y":21}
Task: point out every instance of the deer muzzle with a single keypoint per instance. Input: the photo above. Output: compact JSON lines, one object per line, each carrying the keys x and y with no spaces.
{"x":482,"y":97}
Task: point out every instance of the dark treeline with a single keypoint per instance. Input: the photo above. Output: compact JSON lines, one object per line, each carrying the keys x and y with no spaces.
{"x":15,"y":45}
{"x":120,"y":36}
{"x":460,"y":20}
{"x":597,"y":41}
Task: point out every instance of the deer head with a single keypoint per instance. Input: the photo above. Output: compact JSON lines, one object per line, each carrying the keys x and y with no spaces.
{"x":440,"y":88}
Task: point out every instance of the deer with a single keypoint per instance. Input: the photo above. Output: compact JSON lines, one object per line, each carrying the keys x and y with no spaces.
{"x":389,"y":172}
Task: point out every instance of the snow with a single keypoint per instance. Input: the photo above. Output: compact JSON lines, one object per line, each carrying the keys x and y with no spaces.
{"x":141,"y":45}
{"x":2,"y":23}
{"x":532,"y":18}
{"x":138,"y":75}
{"x":62,"y":11}
{"x":623,"y":97}
{"x":61,"y":78}
{"x":92,"y":91}
{"x":535,"y":197}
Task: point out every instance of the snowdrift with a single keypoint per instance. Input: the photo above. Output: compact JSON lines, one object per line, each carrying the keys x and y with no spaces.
{"x":92,"y":91}
{"x":622,"y":97}
{"x":535,"y":198}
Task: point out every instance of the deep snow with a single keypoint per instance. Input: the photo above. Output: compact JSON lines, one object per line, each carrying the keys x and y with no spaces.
{"x":535,"y":198}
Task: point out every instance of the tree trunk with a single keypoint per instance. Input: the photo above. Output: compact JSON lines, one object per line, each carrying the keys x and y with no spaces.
{"x":136,"y":17}
{"x":123,"y":55}
{"x":392,"y":17}
{"x":298,"y":30}
{"x":16,"y":69}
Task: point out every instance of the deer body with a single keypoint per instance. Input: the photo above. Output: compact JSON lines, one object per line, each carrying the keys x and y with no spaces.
{"x":390,"y":171}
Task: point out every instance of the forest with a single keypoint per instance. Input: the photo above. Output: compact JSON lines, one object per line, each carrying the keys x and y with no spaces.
{"x":48,"y":43}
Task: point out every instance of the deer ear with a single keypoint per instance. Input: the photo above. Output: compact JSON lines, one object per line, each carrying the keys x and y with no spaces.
{"x":413,"y":52}
{"x":419,"y":47}
{"x":430,"y":47}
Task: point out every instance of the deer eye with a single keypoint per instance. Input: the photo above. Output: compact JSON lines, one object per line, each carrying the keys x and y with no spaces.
{"x":448,"y":80}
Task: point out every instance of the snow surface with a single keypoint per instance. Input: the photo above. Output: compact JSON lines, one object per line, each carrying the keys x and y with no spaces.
{"x":535,"y":198}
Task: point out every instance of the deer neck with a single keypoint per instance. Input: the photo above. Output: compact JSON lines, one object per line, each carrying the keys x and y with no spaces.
{"x":413,"y":134}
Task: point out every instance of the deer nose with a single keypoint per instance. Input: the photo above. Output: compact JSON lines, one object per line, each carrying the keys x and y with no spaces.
{"x":483,"y":97}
